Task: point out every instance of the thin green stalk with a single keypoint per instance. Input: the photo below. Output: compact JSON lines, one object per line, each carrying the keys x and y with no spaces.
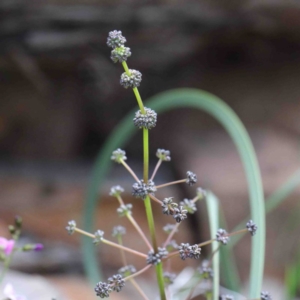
{"x":139,"y":100}
{"x":135,"y":90}
{"x":146,"y":154}
{"x":6,"y":266}
{"x":147,"y":201}
{"x":160,"y":281}
{"x":208,"y":296}
{"x":124,"y":64}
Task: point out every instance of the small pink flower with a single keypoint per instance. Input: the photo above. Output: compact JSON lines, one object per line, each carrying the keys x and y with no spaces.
{"x":7,"y":245}
{"x":11,"y":294}
{"x":38,"y":247}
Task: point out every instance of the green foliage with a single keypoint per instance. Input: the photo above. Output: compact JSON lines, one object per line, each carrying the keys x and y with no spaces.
{"x":292,"y":279}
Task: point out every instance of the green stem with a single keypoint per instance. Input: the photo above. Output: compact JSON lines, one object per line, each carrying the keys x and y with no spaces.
{"x":160,"y":280}
{"x":135,"y":90}
{"x":124,"y":64}
{"x":148,"y":207}
{"x":146,"y":153}
{"x":5,"y":268}
{"x":150,"y":219}
{"x":7,"y":263}
{"x":208,"y":296}
{"x":139,"y":100}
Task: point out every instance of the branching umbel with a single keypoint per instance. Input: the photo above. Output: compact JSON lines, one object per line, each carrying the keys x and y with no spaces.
{"x":145,"y":189}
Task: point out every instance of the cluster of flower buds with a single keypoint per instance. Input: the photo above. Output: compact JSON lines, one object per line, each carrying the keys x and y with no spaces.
{"x":155,"y":258}
{"x":188,"y":251}
{"x":116,"y":41}
{"x":8,"y":246}
{"x":141,"y":189}
{"x":115,"y":283}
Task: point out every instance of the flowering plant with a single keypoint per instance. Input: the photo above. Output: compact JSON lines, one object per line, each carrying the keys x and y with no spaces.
{"x":8,"y":247}
{"x":145,"y":189}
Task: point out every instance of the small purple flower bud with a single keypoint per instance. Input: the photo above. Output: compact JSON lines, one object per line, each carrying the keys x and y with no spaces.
{"x":38,"y":247}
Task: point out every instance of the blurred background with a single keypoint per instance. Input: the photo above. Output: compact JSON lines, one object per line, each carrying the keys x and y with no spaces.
{"x":61,"y":98}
